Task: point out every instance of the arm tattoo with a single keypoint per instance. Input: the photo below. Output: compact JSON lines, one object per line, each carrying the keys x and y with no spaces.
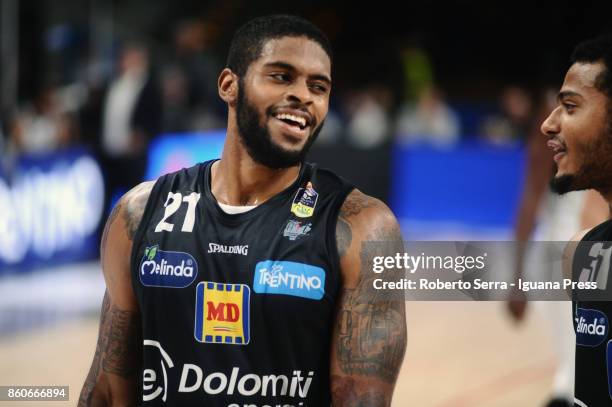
{"x":134,"y":211}
{"x":118,"y":348}
{"x":344,"y":236}
{"x":355,"y":202}
{"x":371,"y":324}
{"x":114,"y":213}
{"x":344,"y":392}
{"x":92,"y":376}
{"x":121,"y":354}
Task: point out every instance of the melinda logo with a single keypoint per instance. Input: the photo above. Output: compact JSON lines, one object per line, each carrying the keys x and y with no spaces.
{"x":159,"y":268}
{"x":289,"y":278}
{"x":591,"y":327}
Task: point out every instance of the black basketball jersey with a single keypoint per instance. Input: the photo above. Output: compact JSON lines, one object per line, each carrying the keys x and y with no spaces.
{"x":237,"y":309}
{"x":592,"y":311}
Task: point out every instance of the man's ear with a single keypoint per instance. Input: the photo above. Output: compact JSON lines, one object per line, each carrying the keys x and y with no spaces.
{"x":228,"y":86}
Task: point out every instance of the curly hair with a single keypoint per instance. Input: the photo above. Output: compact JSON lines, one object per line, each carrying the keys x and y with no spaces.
{"x":597,"y":49}
{"x":249,"y":40}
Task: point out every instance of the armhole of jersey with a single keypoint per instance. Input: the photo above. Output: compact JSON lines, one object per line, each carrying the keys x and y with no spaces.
{"x":330,"y":240}
{"x":596,"y":229}
{"x":142,"y":226}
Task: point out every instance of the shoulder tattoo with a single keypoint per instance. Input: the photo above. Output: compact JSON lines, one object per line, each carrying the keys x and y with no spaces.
{"x":135,"y":207}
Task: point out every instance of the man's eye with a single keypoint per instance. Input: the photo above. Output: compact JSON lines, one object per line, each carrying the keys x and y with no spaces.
{"x":319,"y":88}
{"x":280,"y":77}
{"x":569,"y":107}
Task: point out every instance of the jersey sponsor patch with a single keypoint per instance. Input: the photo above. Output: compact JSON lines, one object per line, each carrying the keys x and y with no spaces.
{"x":236,"y":249}
{"x":222,"y":313}
{"x":295,"y":229}
{"x":293,"y":385}
{"x":591,"y":327}
{"x":159,"y":268}
{"x":289,"y":278}
{"x":304,"y":203}
{"x":154,"y":376}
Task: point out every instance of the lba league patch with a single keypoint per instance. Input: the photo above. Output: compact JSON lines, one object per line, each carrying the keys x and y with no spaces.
{"x":304,"y":203}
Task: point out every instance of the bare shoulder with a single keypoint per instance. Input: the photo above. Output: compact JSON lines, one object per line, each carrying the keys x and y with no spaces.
{"x":117,"y":241}
{"x":580,"y":235}
{"x":135,"y":202}
{"x":361,"y":221}
{"x":131,"y":208}
{"x":570,"y":250}
{"x":365,"y":211}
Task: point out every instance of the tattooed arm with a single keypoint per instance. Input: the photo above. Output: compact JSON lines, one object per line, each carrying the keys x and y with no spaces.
{"x":369,"y":337}
{"x":113,"y":376}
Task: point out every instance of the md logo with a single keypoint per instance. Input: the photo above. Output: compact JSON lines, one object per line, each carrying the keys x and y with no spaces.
{"x":159,"y":268}
{"x":591,"y":327}
{"x":289,"y":278}
{"x":222,"y":313}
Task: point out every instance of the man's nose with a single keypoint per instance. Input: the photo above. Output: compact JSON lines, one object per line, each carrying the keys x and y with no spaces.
{"x":550,"y":127}
{"x":300,"y":91}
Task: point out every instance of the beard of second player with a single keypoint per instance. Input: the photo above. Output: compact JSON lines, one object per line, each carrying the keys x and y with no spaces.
{"x":595,"y":171}
{"x":257,"y":140}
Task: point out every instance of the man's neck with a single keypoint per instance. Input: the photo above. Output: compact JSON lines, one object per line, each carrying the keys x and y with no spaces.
{"x":607,"y":196}
{"x":237,"y":179}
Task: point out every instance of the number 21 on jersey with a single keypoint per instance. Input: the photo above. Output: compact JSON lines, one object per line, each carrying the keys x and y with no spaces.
{"x":172,"y":204}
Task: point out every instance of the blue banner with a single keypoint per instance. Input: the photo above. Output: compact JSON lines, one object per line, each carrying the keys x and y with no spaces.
{"x":52,"y":206}
{"x":172,"y":152}
{"x":472,"y":183}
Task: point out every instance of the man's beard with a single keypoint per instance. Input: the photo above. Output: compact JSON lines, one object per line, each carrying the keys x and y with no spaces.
{"x":257,"y":140}
{"x":595,"y":172}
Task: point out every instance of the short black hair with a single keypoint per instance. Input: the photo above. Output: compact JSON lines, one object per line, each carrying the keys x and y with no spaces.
{"x":249,"y":40}
{"x":595,"y":50}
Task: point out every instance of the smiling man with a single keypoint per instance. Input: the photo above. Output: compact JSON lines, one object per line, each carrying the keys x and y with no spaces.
{"x":247,"y":281}
{"x":580,"y":134}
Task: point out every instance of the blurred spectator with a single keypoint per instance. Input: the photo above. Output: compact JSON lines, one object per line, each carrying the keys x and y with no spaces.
{"x":177,"y":115}
{"x":41,"y":126}
{"x":417,"y":71}
{"x":190,"y":81}
{"x":430,"y":119}
{"x":514,"y":118}
{"x":332,"y":129}
{"x":131,"y":117}
{"x":368,"y":117}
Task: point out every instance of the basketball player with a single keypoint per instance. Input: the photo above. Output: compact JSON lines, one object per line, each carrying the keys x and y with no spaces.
{"x":579,"y":132}
{"x":247,"y":281}
{"x":560,"y":217}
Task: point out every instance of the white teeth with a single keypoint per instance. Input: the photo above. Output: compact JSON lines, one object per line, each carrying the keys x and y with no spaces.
{"x":291,"y":117}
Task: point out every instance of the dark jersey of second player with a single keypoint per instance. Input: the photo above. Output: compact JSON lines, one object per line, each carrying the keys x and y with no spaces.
{"x":237,"y":309}
{"x":592,"y":311}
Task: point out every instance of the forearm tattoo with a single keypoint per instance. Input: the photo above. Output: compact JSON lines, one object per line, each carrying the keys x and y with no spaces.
{"x":121,"y":353}
{"x":94,"y":371}
{"x":118,"y":348}
{"x":344,"y":394}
